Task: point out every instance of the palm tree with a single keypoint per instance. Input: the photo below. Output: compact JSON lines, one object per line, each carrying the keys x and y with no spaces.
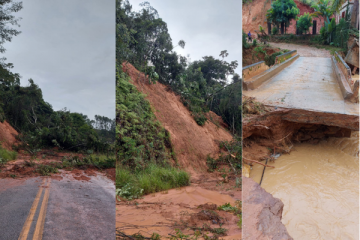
{"x":322,"y":9}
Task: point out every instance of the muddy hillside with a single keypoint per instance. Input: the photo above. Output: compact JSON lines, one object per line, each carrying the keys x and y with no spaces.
{"x":191,"y":142}
{"x":7,"y":135}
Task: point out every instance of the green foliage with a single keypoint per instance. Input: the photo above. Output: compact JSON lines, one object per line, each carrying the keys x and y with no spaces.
{"x":233,"y":147}
{"x":233,"y":209}
{"x":98,"y":161}
{"x":336,"y":35}
{"x":282,"y":12}
{"x":7,"y":8}
{"x":322,"y":9}
{"x":227,"y":104}
{"x":140,"y":137}
{"x":245,"y":44}
{"x":304,"y":22}
{"x":259,"y":50}
{"x":254,"y":43}
{"x":39,"y":125}
{"x":46,"y":170}
{"x":143,"y":37}
{"x":270,"y":59}
{"x":274,"y":30}
{"x":154,"y":178}
{"x":6,"y":155}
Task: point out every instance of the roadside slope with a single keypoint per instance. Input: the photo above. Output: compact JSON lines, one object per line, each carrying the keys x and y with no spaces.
{"x":7,"y":135}
{"x":191,"y":142}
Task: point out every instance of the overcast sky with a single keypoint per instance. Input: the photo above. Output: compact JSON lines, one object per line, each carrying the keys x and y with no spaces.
{"x":207,"y":26}
{"x":68,"y":48}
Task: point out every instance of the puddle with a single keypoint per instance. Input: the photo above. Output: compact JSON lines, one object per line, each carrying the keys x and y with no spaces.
{"x":319,"y":186}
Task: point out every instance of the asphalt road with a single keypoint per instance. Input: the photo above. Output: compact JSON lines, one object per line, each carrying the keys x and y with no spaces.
{"x":47,"y":208}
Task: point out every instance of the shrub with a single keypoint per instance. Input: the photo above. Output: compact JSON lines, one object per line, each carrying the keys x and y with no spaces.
{"x":304,"y":22}
{"x":274,"y":30}
{"x":254,"y":43}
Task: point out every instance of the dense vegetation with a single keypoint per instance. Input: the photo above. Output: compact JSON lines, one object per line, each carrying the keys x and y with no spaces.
{"x":331,"y":34}
{"x":142,"y":37}
{"x":39,"y":126}
{"x":146,"y":160}
{"x":281,"y":13}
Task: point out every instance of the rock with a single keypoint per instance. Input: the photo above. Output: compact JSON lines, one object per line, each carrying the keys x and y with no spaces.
{"x":262,"y":214}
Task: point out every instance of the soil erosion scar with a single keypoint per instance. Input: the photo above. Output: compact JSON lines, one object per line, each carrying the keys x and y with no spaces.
{"x":39,"y":228}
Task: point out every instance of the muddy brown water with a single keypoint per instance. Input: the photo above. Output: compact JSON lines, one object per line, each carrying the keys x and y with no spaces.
{"x":319,"y":186}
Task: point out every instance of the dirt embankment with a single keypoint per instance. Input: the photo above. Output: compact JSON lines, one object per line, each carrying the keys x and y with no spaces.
{"x":253,"y":15}
{"x":7,"y":135}
{"x":190,"y":208}
{"x":192,"y":143}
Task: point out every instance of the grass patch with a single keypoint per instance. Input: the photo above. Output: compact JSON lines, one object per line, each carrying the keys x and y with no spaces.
{"x":6,"y":155}
{"x":99,"y":161}
{"x":154,"y":178}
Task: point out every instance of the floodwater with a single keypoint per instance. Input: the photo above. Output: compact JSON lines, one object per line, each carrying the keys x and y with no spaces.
{"x":319,"y":186}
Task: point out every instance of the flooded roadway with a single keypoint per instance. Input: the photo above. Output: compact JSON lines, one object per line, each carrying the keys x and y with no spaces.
{"x":319,"y":186}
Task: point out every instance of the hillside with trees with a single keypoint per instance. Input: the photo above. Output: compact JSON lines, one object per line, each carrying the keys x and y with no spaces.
{"x":177,"y":122}
{"x":38,"y":125}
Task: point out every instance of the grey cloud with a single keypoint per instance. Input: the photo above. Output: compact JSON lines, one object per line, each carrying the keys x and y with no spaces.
{"x":68,"y":48}
{"x":207,"y":26}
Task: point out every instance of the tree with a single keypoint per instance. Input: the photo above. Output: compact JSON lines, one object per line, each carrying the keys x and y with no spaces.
{"x":282,"y":12}
{"x":7,"y":8}
{"x":322,"y":9}
{"x":304,"y":22}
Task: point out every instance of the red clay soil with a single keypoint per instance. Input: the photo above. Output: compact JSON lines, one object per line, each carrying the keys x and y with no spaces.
{"x":192,"y":143}
{"x":178,"y":209}
{"x":19,"y":169}
{"x":253,"y":15}
{"x":185,"y":209}
{"x":7,"y":135}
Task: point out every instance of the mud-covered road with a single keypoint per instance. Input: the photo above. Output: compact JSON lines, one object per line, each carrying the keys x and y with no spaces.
{"x":58,"y":207}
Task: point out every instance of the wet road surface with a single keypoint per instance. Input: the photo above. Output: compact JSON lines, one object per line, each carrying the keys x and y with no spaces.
{"x":50,"y":208}
{"x":308,"y":83}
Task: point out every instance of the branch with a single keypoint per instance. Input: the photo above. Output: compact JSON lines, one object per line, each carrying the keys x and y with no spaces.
{"x":258,"y":162}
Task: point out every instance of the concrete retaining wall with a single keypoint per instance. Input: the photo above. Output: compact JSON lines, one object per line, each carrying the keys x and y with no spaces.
{"x":345,"y":69}
{"x":340,"y":77}
{"x":283,"y":57}
{"x":349,"y":87}
{"x":253,"y":70}
{"x":257,"y":79}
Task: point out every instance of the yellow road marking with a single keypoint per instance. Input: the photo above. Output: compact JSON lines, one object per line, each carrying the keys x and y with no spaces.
{"x":26,"y":228}
{"x":39,"y":229}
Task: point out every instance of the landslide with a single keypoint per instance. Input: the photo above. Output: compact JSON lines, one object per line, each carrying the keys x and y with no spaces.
{"x":253,"y":15}
{"x":7,"y":135}
{"x":191,"y":142}
{"x":188,"y":209}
